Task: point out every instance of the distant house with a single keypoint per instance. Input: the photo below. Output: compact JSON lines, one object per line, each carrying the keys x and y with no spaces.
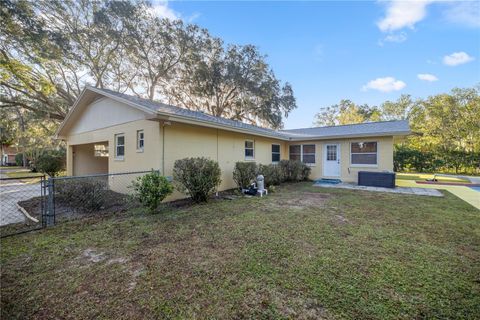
{"x":109,"y":132}
{"x":8,"y":155}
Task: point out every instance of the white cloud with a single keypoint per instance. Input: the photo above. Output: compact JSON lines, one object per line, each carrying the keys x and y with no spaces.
{"x":162,"y":10}
{"x":464,"y":12}
{"x":401,"y":14}
{"x":457,"y":58}
{"x":386,"y":84}
{"x":427,"y":77}
{"x":394,"y":37}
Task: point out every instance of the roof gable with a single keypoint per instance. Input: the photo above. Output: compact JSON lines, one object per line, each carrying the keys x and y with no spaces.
{"x":150,"y":109}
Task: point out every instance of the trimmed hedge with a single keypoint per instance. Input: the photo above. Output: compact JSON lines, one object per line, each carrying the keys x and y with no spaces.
{"x":244,"y":174}
{"x":197,"y":177}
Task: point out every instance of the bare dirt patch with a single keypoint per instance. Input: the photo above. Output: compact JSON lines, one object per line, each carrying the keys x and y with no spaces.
{"x":302,"y":201}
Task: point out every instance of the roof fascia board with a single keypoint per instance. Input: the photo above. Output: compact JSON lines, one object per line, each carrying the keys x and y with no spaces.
{"x":345,"y":136}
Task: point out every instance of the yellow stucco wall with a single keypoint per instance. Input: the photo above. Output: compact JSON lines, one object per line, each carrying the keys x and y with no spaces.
{"x":348,"y":172}
{"x":85,"y":162}
{"x":185,"y":140}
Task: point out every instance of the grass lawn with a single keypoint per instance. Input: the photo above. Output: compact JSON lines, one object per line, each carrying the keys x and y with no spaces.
{"x":300,"y":253}
{"x":465,"y":193}
{"x":425,"y":176}
{"x":23,"y":174}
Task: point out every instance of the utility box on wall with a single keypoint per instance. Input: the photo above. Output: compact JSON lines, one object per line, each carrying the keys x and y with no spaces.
{"x":376,"y":179}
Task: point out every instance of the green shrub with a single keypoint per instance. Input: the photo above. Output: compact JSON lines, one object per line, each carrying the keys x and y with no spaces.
{"x":272,"y":173}
{"x":151,"y":189}
{"x":88,"y":194}
{"x":51,"y":162}
{"x":244,"y":174}
{"x":291,"y":170}
{"x":306,"y":170}
{"x":19,"y":159}
{"x":197,"y":177}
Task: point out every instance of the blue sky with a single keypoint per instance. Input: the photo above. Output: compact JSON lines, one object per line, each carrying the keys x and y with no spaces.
{"x":368,"y":52}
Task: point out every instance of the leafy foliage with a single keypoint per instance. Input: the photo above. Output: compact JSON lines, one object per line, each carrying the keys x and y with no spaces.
{"x":151,"y":189}
{"x":446,"y":128}
{"x":50,"y":162}
{"x":197,"y":177}
{"x":244,"y":173}
{"x":272,"y":173}
{"x":87,"y":194}
{"x":51,"y":49}
{"x":294,"y":171}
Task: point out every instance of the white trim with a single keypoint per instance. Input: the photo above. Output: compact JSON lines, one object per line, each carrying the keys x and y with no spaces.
{"x":140,"y":149}
{"x":187,"y":119}
{"x":279,"y":152}
{"x":245,"y":148}
{"x":360,"y":165}
{"x":310,"y":164}
{"x":117,"y":157}
{"x":339,"y":159}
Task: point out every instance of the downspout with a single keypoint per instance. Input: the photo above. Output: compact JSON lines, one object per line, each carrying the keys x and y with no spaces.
{"x":165,"y":123}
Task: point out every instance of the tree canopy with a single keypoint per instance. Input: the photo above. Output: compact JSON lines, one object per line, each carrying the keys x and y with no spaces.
{"x":446,"y":127}
{"x":50,"y":50}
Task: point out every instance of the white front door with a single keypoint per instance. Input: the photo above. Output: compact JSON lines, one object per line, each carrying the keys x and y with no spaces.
{"x":331,"y":160}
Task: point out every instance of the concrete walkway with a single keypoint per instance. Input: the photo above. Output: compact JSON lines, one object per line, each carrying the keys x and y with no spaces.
{"x":11,"y":192}
{"x":402,"y":190}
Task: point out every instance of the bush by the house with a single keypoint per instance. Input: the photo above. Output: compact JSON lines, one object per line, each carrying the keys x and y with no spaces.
{"x":244,"y":174}
{"x":306,"y":170}
{"x":272,"y":173}
{"x":197,"y":177}
{"x":87,"y":194}
{"x":291,"y":170}
{"x":51,"y":162}
{"x":151,"y":189}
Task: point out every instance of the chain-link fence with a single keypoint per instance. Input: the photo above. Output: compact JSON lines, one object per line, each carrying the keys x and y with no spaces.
{"x":22,"y":203}
{"x":32,"y":203}
{"x":79,"y":196}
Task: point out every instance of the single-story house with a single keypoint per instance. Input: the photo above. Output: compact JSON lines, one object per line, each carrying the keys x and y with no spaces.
{"x":110,"y":132}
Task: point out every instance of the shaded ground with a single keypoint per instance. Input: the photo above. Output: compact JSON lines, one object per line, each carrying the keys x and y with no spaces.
{"x":300,"y":253}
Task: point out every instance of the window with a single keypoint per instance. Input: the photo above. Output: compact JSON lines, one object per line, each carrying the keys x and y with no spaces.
{"x":119,"y":146}
{"x":296,"y":152}
{"x":275,"y":153}
{"x":308,"y":153}
{"x":332,"y":153}
{"x":304,"y":153}
{"x":249,"y":150}
{"x":140,"y":140}
{"x":364,"y":153}
{"x":100,"y":150}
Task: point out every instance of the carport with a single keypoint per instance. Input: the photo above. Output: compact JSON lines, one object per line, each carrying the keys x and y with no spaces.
{"x":91,"y":158}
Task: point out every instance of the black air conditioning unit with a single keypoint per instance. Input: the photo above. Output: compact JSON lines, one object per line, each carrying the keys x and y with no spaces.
{"x":376,"y":179}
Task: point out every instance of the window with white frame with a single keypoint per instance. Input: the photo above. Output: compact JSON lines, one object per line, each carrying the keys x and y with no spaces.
{"x":295,"y":152}
{"x":249,"y":150}
{"x":119,"y":146}
{"x":140,"y":140}
{"x":363,"y":153}
{"x":275,"y":153}
{"x":303,"y":152}
{"x":308,"y":153}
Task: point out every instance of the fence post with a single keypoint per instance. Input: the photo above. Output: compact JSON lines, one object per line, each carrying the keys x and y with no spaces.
{"x":50,"y":216}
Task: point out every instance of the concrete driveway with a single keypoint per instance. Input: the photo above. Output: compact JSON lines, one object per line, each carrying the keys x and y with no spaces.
{"x":11,"y":192}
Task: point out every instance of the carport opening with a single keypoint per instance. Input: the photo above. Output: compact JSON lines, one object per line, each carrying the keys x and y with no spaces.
{"x":91,"y":158}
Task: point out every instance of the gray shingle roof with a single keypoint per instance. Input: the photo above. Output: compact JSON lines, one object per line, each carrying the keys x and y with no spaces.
{"x":367,"y":128}
{"x":354,"y":130}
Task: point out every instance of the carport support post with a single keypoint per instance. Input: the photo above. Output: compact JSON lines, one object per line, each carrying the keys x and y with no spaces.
{"x":50,"y":216}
